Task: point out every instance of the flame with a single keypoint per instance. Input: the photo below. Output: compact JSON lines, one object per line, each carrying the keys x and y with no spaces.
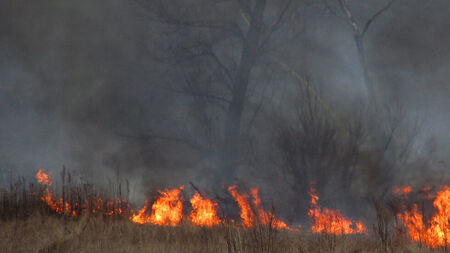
{"x":402,"y":191}
{"x":246,"y":210}
{"x":57,"y":205}
{"x":266,"y":218}
{"x":204,"y":211}
{"x":426,"y":191}
{"x":43,"y":178}
{"x":331,"y":221}
{"x":248,"y":215}
{"x":63,"y":207}
{"x":141,"y":217}
{"x":438,"y":231}
{"x":167,"y":209}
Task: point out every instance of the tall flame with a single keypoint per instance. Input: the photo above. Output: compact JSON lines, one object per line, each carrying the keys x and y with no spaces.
{"x":248,"y":213}
{"x":438,"y":231}
{"x":204,"y":211}
{"x":246,"y":210}
{"x":331,"y":221}
{"x":167,"y":209}
{"x":266,"y":218}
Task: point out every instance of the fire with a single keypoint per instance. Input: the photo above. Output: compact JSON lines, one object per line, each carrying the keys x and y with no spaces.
{"x":402,"y":191}
{"x":438,"y":231}
{"x":248,"y":213}
{"x":426,"y":191}
{"x":141,"y":217}
{"x":331,"y":221}
{"x":63,"y":207}
{"x":266,"y":218}
{"x":167,"y":209}
{"x":246,"y":210}
{"x":43,"y":178}
{"x":58,"y":206}
{"x":204,"y":211}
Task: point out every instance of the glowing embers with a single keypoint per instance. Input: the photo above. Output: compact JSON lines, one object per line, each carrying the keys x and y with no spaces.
{"x":204,"y":211}
{"x":252,"y":215}
{"x":331,"y":221}
{"x":166,"y":210}
{"x":437,"y":232}
{"x":43,"y":178}
{"x":63,"y":207}
{"x":402,"y":191}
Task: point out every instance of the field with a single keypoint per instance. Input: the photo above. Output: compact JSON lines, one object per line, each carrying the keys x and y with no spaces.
{"x":32,"y":219}
{"x":40,"y":233}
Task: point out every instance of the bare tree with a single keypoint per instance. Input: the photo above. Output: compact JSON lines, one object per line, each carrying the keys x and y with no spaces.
{"x":360,"y":29}
{"x":221,"y":49}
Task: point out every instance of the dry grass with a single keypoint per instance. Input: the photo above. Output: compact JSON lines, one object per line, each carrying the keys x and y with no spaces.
{"x":95,"y":233}
{"x":28,"y":225}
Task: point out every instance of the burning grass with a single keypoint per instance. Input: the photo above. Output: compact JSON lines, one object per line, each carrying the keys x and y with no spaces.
{"x":331,"y":221}
{"x":33,"y":219}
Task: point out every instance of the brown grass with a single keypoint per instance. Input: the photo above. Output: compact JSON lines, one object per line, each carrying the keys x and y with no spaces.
{"x":28,"y":225}
{"x":95,"y":233}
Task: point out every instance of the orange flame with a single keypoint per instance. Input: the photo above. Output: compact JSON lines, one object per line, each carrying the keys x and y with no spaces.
{"x":167,"y":210}
{"x":63,"y":207}
{"x":426,"y":191}
{"x":248,"y":215}
{"x":141,"y":217}
{"x":204,"y":211}
{"x":43,"y":178}
{"x":438,"y":231}
{"x":331,"y":221}
{"x":58,"y":206}
{"x":402,"y":191}
{"x":266,"y":218}
{"x":246,"y":210}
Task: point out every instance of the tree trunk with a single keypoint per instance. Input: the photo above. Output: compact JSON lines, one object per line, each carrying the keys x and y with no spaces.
{"x":365,"y":69}
{"x":234,"y":114}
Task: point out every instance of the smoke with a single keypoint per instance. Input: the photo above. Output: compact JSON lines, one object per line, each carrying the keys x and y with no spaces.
{"x":89,"y":85}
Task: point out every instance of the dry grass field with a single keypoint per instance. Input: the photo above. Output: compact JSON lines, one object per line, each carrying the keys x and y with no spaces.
{"x":35,"y":219}
{"x":96,"y":233}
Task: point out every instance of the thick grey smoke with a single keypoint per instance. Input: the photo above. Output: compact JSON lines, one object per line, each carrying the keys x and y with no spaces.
{"x":90,"y":85}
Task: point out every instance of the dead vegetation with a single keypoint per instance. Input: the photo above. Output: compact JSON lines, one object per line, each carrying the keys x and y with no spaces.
{"x":28,"y":225}
{"x":94,"y":233}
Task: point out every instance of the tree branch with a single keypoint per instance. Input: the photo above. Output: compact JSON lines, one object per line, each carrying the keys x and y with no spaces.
{"x":369,"y":22}
{"x":350,"y":19}
{"x":276,"y":25}
{"x":283,"y":12}
{"x":224,"y":68}
{"x":162,"y":16}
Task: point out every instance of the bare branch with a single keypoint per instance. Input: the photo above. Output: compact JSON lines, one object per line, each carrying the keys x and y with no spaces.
{"x":310,"y":90}
{"x":225,"y":69}
{"x":160,"y":15}
{"x":350,"y":19}
{"x":369,"y":22}
{"x":277,"y":24}
{"x":283,"y":12}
